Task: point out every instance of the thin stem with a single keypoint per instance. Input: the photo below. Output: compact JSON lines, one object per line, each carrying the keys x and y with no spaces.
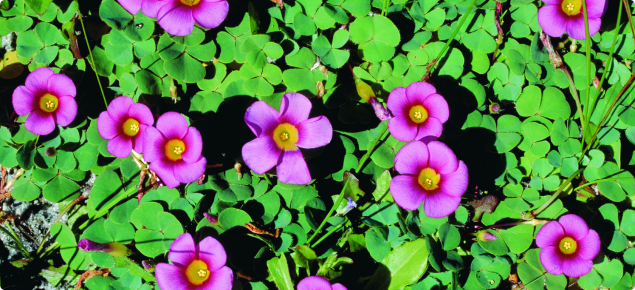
{"x":534,"y":222}
{"x":328,"y":234}
{"x":106,"y":208}
{"x":588,"y":63}
{"x":630,"y":20}
{"x":92,"y":64}
{"x":371,"y":150}
{"x":335,"y":205}
{"x":601,"y":180}
{"x":59,"y":217}
{"x":556,"y":194}
{"x":447,"y":43}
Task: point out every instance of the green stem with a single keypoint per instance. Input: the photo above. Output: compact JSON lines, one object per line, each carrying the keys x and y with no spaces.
{"x":92,"y":64}
{"x":106,"y":208}
{"x":370,"y":151}
{"x":588,"y":64}
{"x":600,"y":180}
{"x":456,"y":31}
{"x":328,"y":234}
{"x":335,"y":205}
{"x":533,"y":222}
{"x":576,"y":98}
{"x":555,"y":194}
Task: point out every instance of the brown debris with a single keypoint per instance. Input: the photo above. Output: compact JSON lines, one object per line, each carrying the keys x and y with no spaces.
{"x":89,"y":274}
{"x":256,"y":230}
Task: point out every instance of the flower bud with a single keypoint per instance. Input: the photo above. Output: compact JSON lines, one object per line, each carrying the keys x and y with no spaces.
{"x":50,"y":152}
{"x":494,"y":108}
{"x":211,"y":218}
{"x":114,"y":248}
{"x":486,"y":236}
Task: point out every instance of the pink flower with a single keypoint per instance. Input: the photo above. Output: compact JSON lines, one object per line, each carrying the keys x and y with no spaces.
{"x":418,"y":112}
{"x":114,"y":248}
{"x":429,"y":173}
{"x":148,"y":7}
{"x":559,"y":16}
{"x":178,"y":17}
{"x":318,"y":283}
{"x":568,"y":246}
{"x":174,"y":150}
{"x":123,"y":124}
{"x":280,"y":135}
{"x":194,"y":266}
{"x":47,"y":98}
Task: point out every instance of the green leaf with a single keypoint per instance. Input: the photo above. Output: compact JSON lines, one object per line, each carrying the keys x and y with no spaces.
{"x":377,"y":246}
{"x":304,"y":25}
{"x":185,"y":68}
{"x":402,"y":267}
{"x":60,"y":189}
{"x":28,"y":43}
{"x":449,"y":236}
{"x":480,"y":41}
{"x":26,"y":155}
{"x":279,"y":271}
{"x":114,"y":15}
{"x":233,"y":217}
{"x":38,"y":6}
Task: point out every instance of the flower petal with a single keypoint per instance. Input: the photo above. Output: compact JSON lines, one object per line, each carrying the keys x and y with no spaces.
{"x":398,"y":103}
{"x":151,"y":8}
{"x":141,"y":113}
{"x":107,"y":127}
{"x":60,"y":85}
{"x":261,"y":118}
{"x":552,"y":2}
{"x":172,"y":125}
{"x":440,"y":205}
{"x":589,"y":247}
{"x":549,"y":235}
{"x":183,"y":250}
{"x":292,"y":168}
{"x":120,"y":146}
{"x":294,"y":108}
{"x":118,"y":109}
{"x":176,"y":18}
{"x":211,"y":252}
{"x":576,"y":266}
{"x":575,"y":27}
{"x":552,"y":259}
{"x":407,"y":192}
{"x":165,"y":170}
{"x":37,"y":81}
{"x":574,"y":226}
{"x":437,"y":107}
{"x":418,"y":92}
{"x":137,"y":141}
{"x":314,"y":283}
{"x":402,"y":129}
{"x":431,"y":127}
{"x":596,"y":8}
{"x":442,"y":158}
{"x":314,"y":132}
{"x":40,"y":123}
{"x":261,"y":154}
{"x":66,"y":112}
{"x":210,"y":14}
{"x":132,"y":6}
{"x":552,"y":20}
{"x":338,"y":286}
{"x":24,"y":101}
{"x":193,"y":146}
{"x":412,"y":158}
{"x":170,"y":277}
{"x":153,"y":145}
{"x":455,"y":183}
{"x":220,"y":279}
{"x":189,"y":172}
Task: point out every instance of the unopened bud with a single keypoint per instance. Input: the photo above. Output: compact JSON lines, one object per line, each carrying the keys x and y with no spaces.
{"x":50,"y":152}
{"x":494,"y":108}
{"x":486,"y":236}
{"x":380,"y":111}
{"x":211,"y":218}
{"x":114,"y":248}
{"x":148,"y":265}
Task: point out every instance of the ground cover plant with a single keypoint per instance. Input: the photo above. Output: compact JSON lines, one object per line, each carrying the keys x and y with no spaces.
{"x":339,"y":144}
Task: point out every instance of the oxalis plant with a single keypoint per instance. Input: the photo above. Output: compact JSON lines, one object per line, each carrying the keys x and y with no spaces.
{"x":310,"y":145}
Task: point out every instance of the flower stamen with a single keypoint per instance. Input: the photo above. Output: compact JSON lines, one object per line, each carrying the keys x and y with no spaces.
{"x":49,"y":103}
{"x":178,"y":150}
{"x":284,"y":136}
{"x":429,"y":179}
{"x":190,"y":2}
{"x":174,"y":149}
{"x":202,"y":273}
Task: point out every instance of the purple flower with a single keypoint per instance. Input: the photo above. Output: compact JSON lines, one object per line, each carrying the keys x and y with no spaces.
{"x":47,"y":98}
{"x":418,"y":112}
{"x":174,"y":150}
{"x":431,"y":173}
{"x":318,"y":283}
{"x":123,"y":124}
{"x":178,"y":17}
{"x":280,"y":135}
{"x":194,"y":266}
{"x":568,"y":246}
{"x":148,"y":7}
{"x":211,"y":218}
{"x":114,"y":249}
{"x":559,"y":16}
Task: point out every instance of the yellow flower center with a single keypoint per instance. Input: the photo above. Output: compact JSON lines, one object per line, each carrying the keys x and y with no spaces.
{"x":285,"y":136}
{"x":568,"y":246}
{"x":130,"y":127}
{"x":197,"y":272}
{"x":190,"y":2}
{"x":429,"y":179}
{"x":49,"y":103}
{"x":418,"y":114}
{"x":572,"y":7}
{"x":174,"y":149}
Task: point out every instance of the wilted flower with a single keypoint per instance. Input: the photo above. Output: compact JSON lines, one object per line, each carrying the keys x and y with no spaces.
{"x":47,"y":98}
{"x":194,"y":266}
{"x":178,"y":17}
{"x":174,"y":150}
{"x":318,"y":283}
{"x":559,"y":16}
{"x":280,"y":135}
{"x":148,"y":7}
{"x":114,"y":248}
{"x":123,"y":125}
{"x":429,"y":173}
{"x":418,"y":112}
{"x":568,"y":246}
